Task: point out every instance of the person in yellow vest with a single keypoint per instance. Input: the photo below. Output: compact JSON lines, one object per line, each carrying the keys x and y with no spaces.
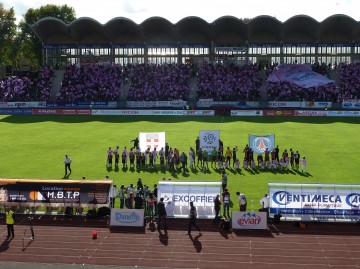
{"x":10,"y":222}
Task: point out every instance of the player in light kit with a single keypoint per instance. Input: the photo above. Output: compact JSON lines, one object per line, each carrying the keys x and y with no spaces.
{"x":109,"y":157}
{"x":303,"y":164}
{"x":192,"y":158}
{"x":154,"y":155}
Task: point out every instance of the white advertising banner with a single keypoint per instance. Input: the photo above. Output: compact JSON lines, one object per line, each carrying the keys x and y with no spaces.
{"x":199,"y":112}
{"x":178,"y":195}
{"x":305,"y":104}
{"x":280,"y":104}
{"x":127,"y":217}
{"x":22,"y":104}
{"x":311,"y":113}
{"x":246,"y":112}
{"x":173,"y":103}
{"x":138,"y":112}
{"x":152,"y":141}
{"x":315,"y":202}
{"x":209,"y":140}
{"x":211,"y":103}
{"x":344,"y":113}
{"x":316,"y":104}
{"x":351,"y":104}
{"x":249,"y":220}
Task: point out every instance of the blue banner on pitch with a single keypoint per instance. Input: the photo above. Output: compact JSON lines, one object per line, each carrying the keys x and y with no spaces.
{"x":260,"y":143}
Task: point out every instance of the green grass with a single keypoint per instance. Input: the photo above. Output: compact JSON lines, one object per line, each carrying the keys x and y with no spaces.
{"x":34,"y":147}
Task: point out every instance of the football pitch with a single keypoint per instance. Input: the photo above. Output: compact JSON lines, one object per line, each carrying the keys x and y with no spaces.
{"x":34,"y":147}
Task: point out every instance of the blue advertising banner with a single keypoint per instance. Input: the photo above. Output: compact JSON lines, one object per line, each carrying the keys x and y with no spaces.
{"x":260,"y":143}
{"x":7,"y":111}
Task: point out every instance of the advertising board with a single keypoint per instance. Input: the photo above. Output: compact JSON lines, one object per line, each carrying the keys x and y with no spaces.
{"x":249,"y":220}
{"x":315,"y":202}
{"x":54,"y":192}
{"x":178,"y":195}
{"x":127,"y":217}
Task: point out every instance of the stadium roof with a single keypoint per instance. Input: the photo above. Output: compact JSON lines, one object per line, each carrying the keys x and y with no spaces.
{"x":224,"y":31}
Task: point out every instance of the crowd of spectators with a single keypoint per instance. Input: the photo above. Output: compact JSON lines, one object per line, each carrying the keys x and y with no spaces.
{"x":91,"y":83}
{"x":152,"y":82}
{"x":44,"y":84}
{"x":322,"y":68}
{"x":349,"y":75}
{"x":229,"y":82}
{"x":16,"y":89}
{"x":36,"y":87}
{"x":285,"y":91}
{"x":172,"y":82}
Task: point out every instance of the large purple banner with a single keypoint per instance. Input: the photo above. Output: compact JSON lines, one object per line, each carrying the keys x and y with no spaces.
{"x":298,"y":74}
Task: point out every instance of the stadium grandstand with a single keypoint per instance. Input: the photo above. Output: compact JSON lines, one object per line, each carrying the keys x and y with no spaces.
{"x":262,"y":40}
{"x":227,"y":60}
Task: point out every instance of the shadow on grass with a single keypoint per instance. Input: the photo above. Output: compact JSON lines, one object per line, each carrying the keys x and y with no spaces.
{"x":189,"y":171}
{"x":303,"y":174}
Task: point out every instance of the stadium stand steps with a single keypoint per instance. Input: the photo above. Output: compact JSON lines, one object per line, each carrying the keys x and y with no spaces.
{"x":56,"y":84}
{"x":193,"y":84}
{"x":124,"y":92}
{"x":334,"y":75}
{"x":263,"y":74}
{"x":263,"y":91}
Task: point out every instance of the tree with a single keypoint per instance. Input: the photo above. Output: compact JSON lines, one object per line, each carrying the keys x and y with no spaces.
{"x":7,"y":34}
{"x":31,"y":46}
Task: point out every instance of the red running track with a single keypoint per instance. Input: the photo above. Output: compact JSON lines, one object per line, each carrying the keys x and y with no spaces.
{"x":283,"y":245}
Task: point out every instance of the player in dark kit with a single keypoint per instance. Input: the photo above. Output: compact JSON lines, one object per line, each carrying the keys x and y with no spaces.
{"x":277,"y":154}
{"x":234,"y":155}
{"x":267,"y":155}
{"x":197,"y":144}
{"x":136,"y":143}
{"x":297,"y":159}
{"x":292,"y":158}
{"x":132,"y":158}
{"x":116,"y":154}
{"x":167,"y":153}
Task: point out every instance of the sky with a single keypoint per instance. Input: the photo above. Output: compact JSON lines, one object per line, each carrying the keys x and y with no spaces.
{"x":209,"y":10}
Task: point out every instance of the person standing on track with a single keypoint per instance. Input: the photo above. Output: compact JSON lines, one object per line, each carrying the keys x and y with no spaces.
{"x":242,"y":201}
{"x":9,"y":215}
{"x":192,"y":221}
{"x":161,"y":210}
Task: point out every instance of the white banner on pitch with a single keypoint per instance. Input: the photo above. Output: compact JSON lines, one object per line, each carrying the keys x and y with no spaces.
{"x":127,"y":217}
{"x":209,"y":140}
{"x":249,"y":220}
{"x":152,"y":141}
